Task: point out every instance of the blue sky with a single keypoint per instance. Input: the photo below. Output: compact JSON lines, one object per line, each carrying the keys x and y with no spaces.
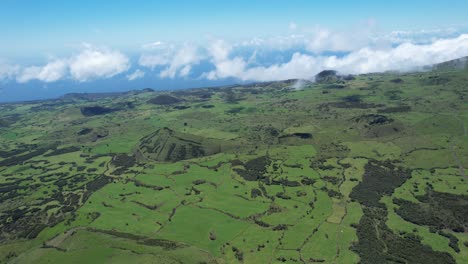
{"x":174,"y":44}
{"x":59,"y":25}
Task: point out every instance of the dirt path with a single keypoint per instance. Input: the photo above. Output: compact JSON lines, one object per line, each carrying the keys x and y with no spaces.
{"x":452,"y":148}
{"x":57,"y":241}
{"x":465,"y":129}
{"x":458,"y":161}
{"x":339,"y":231}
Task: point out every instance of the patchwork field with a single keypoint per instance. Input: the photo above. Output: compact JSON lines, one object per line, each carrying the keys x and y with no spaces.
{"x":368,"y":168}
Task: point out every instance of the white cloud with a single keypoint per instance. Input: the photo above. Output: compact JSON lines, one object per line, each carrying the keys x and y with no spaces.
{"x":229,"y":68}
{"x":317,"y":39}
{"x":153,"y":60}
{"x":423,"y":36}
{"x":51,"y":72}
{"x":185,"y":71}
{"x":178,"y":60}
{"x":136,"y":75}
{"x":219,"y":52}
{"x":326,"y":40}
{"x":8,"y":71}
{"x":93,"y":63}
{"x":404,"y":57}
{"x":186,"y":56}
{"x":156,"y":54}
{"x":28,"y":74}
{"x":301,"y":54}
{"x":152,"y":45}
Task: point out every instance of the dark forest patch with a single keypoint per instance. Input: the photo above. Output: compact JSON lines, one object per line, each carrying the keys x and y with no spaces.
{"x":95,"y":185}
{"x":15,"y":160}
{"x":437,"y":210}
{"x":166,"y":244}
{"x":377,"y":243}
{"x":326,"y":76}
{"x":200,"y":93}
{"x":379,"y":179}
{"x":374,"y":119}
{"x":234,"y":110}
{"x":96,"y":110}
{"x":355,"y":98}
{"x":397,"y":80}
{"x":123,"y":162}
{"x":384,"y":130}
{"x":208,"y":106}
{"x":334,"y":86}
{"x":302,"y":135}
{"x":308,"y":181}
{"x":453,"y":240}
{"x":164,"y":99}
{"x":30,"y":220}
{"x":286,"y":138}
{"x":333,"y":79}
{"x":331,"y":150}
{"x":84,"y":131}
{"x":254,"y":193}
{"x":231,"y":97}
{"x":254,"y":169}
{"x":284,"y":182}
{"x":348,"y":104}
{"x":61,"y":151}
{"x":20,"y":148}
{"x":181,"y":107}
{"x":263,"y":134}
{"x":393,"y":95}
{"x":238,"y":254}
{"x":395,"y":109}
{"x":6,"y":121}
{"x":435,"y":80}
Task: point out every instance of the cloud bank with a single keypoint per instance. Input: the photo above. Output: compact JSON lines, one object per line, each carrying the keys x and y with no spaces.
{"x":136,"y":75}
{"x":8,"y":71}
{"x":178,"y":61}
{"x":404,"y":57}
{"x":300,"y":55}
{"x":90,"y":64}
{"x":94,"y":63}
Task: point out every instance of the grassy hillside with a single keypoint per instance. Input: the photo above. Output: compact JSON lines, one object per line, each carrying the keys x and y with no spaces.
{"x":368,"y":168}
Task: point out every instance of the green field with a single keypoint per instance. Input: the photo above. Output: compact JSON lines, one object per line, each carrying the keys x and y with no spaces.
{"x":368,"y":169}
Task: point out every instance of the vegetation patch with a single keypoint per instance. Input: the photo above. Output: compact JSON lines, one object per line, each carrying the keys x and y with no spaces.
{"x":377,"y":243}
{"x":374,"y":119}
{"x":96,"y":110}
{"x":254,"y":169}
{"x":170,"y":146}
{"x":371,"y":171}
{"x":379,"y":179}
{"x":395,"y":109}
{"x":84,"y":131}
{"x":437,"y":210}
{"x":164,"y":99}
{"x":62,"y":151}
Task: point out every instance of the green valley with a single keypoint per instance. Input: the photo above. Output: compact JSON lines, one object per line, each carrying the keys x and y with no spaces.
{"x":366,"y":168}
